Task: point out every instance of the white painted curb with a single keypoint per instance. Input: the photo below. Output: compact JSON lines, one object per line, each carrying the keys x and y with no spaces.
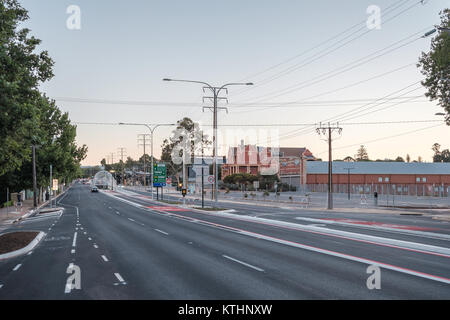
{"x":24,"y":250}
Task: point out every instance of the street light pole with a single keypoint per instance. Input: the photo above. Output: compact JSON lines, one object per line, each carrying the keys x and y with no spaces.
{"x":215,"y":91}
{"x":152,"y":130}
{"x":33,"y":148}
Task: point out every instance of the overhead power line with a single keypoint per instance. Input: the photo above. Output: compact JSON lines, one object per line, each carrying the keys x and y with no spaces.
{"x":316,"y":56}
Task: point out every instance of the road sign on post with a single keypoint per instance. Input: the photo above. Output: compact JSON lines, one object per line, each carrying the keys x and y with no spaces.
{"x":55,"y":185}
{"x":159,"y":175}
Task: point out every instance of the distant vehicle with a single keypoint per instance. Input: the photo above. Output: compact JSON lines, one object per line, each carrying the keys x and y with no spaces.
{"x":94,"y":189}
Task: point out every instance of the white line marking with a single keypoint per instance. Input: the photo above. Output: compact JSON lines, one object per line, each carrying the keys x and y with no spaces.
{"x":162,"y":232}
{"x":17,"y":267}
{"x":90,"y":239}
{"x":74,"y":243}
{"x":1,"y":286}
{"x":117,"y":212}
{"x":131,"y":219}
{"x":119,"y":277}
{"x":72,"y":251}
{"x":29,"y":253}
{"x":105,"y":258}
{"x":95,"y":246}
{"x":243,"y":263}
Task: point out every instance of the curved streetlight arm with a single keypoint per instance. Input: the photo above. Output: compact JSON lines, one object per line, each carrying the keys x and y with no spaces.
{"x":234,"y":84}
{"x":191,"y":81}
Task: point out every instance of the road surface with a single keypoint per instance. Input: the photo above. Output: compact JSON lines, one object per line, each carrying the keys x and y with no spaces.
{"x":123,"y":245}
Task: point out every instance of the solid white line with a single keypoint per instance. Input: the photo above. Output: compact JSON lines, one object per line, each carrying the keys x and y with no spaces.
{"x":104,"y":258}
{"x":74,"y":243}
{"x":119,"y":277}
{"x":243,"y":263}
{"x":17,"y":267}
{"x":162,"y":232}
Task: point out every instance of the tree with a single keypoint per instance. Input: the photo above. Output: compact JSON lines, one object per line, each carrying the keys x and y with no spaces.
{"x":399,"y":159}
{"x":361,"y":154}
{"x":408,"y":158}
{"x":27,"y":116}
{"x":440,"y":156}
{"x":349,"y":159}
{"x":187,"y":136}
{"x":435,"y":66}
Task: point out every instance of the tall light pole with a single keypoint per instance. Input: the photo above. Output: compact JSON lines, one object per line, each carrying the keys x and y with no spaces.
{"x":215,"y":91}
{"x":152,"y":130}
{"x":33,"y":150}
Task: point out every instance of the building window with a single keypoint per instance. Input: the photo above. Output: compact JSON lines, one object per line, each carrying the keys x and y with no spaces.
{"x":417,"y":179}
{"x":424,"y":179}
{"x":386,"y":179}
{"x":380,"y":179}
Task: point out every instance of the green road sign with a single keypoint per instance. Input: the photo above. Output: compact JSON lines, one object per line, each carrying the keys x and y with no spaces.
{"x":159,"y":175}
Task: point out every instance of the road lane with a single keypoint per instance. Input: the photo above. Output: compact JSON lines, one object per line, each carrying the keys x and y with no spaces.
{"x":188,"y":260}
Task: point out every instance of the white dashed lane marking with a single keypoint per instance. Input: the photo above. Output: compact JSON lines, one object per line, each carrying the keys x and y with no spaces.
{"x":17,"y":267}
{"x":119,"y":277}
{"x":74,"y":243}
{"x":163,"y":232}
{"x":105,"y":258}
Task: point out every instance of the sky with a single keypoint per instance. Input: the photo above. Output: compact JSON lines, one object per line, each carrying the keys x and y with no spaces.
{"x":310,"y":62}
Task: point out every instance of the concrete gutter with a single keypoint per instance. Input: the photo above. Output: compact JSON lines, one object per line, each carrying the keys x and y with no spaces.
{"x":24,"y":250}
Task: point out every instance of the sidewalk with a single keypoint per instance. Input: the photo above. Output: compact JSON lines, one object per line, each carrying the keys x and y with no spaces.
{"x":10,"y":215}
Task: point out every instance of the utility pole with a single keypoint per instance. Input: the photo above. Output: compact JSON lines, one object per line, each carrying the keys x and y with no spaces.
{"x":51,"y":186}
{"x":33,"y":149}
{"x":323,"y":130}
{"x":203,"y":174}
{"x":348,"y":181}
{"x":142,"y":142}
{"x":215,"y":91}
{"x":121,"y":152}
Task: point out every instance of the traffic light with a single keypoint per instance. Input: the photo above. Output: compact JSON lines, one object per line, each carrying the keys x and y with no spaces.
{"x":183,"y":192}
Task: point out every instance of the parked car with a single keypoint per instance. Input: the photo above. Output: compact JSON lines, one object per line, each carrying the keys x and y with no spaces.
{"x":94,"y":189}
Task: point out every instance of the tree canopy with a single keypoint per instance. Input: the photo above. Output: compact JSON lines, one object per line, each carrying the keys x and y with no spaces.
{"x":28,"y":117}
{"x":435,"y":66}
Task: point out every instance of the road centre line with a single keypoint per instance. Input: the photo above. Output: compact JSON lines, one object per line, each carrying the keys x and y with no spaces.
{"x":160,"y":231}
{"x":74,"y":243}
{"x":105,"y":258}
{"x":310,"y":248}
{"x":17,"y":267}
{"x":243,"y":263}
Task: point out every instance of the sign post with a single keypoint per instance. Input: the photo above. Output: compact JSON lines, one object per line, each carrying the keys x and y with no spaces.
{"x":159,"y":176}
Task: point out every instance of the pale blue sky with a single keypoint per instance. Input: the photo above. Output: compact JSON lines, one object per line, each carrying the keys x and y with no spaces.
{"x":125,"y":48}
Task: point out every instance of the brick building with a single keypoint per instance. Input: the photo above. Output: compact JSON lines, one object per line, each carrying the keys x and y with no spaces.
{"x":287,"y":162}
{"x":402,"y":178}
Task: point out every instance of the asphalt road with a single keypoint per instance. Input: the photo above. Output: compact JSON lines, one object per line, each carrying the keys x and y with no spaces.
{"x":124,"y":246}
